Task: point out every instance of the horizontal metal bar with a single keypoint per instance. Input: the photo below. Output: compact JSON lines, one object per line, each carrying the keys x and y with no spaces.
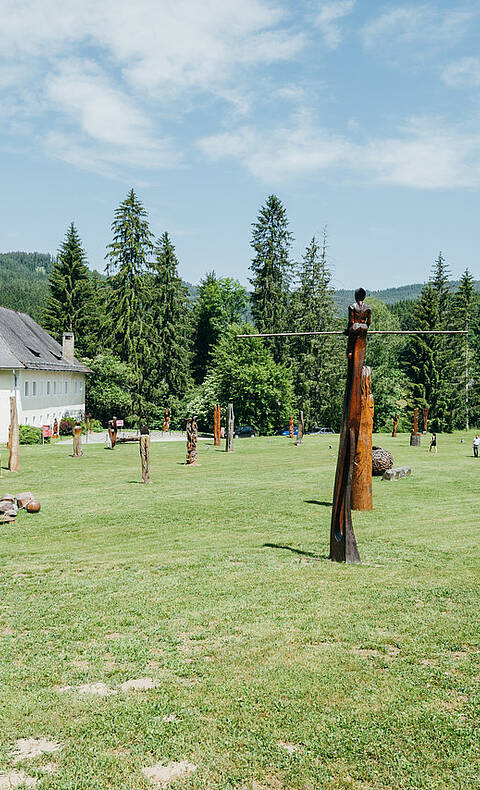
{"x":370,"y":332}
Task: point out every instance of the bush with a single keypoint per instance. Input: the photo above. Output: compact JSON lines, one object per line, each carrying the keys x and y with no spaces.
{"x":66,"y":426}
{"x":29,"y":434}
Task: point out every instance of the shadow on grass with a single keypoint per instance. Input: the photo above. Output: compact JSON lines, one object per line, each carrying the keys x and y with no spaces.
{"x":317,"y":502}
{"x":296,"y":551}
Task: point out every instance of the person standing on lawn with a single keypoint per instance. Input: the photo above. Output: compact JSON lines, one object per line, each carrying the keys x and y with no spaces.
{"x":476,"y":443}
{"x":433,"y":443}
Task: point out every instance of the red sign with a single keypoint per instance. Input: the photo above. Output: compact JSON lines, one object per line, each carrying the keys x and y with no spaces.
{"x":119,"y":423}
{"x":46,"y":431}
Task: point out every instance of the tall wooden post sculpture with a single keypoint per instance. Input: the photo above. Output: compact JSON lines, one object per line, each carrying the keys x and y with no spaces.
{"x":290,"y":428}
{"x":192,"y":440}
{"x":230,"y":424}
{"x":343,"y":546}
{"x":14,"y":456}
{"x":395,"y":423}
{"x":425,"y":419}
{"x":415,"y":436}
{"x":55,"y":428}
{"x":362,"y":497}
{"x":300,"y":429}
{"x":112,"y":431}
{"x":144,"y":446}
{"x":216,"y":425}
{"x":166,"y":420}
{"x":77,"y":440}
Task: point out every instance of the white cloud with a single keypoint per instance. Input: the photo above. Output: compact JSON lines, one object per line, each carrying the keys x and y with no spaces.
{"x":421,"y":24}
{"x":328,"y":17}
{"x":424,"y":155}
{"x":462,"y":73}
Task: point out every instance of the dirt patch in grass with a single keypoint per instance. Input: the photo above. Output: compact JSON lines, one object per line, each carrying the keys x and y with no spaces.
{"x":16,"y":779}
{"x":98,"y":689}
{"x":29,"y":748}
{"x":81,"y":663}
{"x":291,"y":748}
{"x":139,"y":684}
{"x":269,"y":783}
{"x":115,"y":635}
{"x":161,"y":775}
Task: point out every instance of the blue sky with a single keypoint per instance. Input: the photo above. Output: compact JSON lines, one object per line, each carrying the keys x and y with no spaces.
{"x":361,"y":116}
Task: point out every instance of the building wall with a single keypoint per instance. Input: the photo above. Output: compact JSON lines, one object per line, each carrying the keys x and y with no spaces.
{"x":42,"y":397}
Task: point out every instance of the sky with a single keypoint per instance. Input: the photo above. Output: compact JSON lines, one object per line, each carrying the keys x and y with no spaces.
{"x":361,"y":116}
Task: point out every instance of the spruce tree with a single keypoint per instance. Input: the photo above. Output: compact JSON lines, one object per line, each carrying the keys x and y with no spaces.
{"x":70,"y":297}
{"x":439,"y":279}
{"x":465,"y":308}
{"x":128,"y":257}
{"x":272,"y":271}
{"x":170,"y":322}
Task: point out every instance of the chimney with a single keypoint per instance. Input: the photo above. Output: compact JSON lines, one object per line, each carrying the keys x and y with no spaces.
{"x":68,"y":346}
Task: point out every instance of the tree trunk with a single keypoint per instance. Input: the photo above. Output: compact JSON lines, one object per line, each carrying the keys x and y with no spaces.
{"x":300,"y":429}
{"x":144,"y":446}
{"x":230,"y":424}
{"x":14,"y":457}
{"x":362,"y":498}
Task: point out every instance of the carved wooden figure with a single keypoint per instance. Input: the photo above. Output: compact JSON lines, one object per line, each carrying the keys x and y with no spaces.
{"x":415,"y":436}
{"x":166,"y":420}
{"x":216,"y":425}
{"x":362,"y":498}
{"x":14,"y":457}
{"x":77,"y":440}
{"x":192,"y":440}
{"x":144,"y":446}
{"x":395,"y":423}
{"x":112,"y":431}
{"x":55,"y":428}
{"x":300,"y":429}
{"x":290,"y":428}
{"x":230,"y":426}
{"x":343,"y":546}
{"x":425,"y":419}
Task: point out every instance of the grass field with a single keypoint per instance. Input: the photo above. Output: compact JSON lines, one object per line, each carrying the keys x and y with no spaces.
{"x":270,"y":666}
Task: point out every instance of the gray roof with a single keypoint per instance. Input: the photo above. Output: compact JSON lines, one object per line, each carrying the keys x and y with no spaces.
{"x":24,"y":344}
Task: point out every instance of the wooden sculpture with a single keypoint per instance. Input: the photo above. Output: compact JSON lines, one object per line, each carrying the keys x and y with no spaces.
{"x":216,"y":425}
{"x":55,"y":428}
{"x":425,"y":419}
{"x":395,"y":423}
{"x":192,"y":440}
{"x":14,"y":456}
{"x":144,"y":446}
{"x":166,"y":420}
{"x":230,"y":424}
{"x":415,"y":436}
{"x":77,"y":440}
{"x":112,"y":432}
{"x":300,"y":429}
{"x":362,"y":498}
{"x":290,"y":428}
{"x":343,"y":546}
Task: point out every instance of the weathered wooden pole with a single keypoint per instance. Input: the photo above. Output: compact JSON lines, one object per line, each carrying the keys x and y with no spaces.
{"x":300,"y":428}
{"x":14,"y":457}
{"x":230,"y":425}
{"x":77,"y":440}
{"x":216,"y":425}
{"x":290,"y":428}
{"x":166,"y":420}
{"x":395,"y":423}
{"x":343,"y":545}
{"x":55,"y":428}
{"x":192,"y":440}
{"x":425,"y":419}
{"x":362,"y":497}
{"x":415,"y":436}
{"x":144,"y":446}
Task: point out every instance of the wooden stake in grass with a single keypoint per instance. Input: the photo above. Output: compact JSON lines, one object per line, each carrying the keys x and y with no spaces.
{"x":144,"y":446}
{"x":230,"y":425}
{"x":300,"y":429}
{"x":362,"y":498}
{"x":216,"y":425}
{"x":14,"y":457}
{"x":192,"y":440}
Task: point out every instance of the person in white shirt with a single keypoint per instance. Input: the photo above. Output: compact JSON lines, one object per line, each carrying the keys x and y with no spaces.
{"x":476,"y":443}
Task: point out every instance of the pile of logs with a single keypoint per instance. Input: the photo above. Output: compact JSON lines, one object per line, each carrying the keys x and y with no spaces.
{"x":10,"y":505}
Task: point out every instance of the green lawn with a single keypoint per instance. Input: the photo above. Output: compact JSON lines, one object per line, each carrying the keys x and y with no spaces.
{"x":274,"y":667}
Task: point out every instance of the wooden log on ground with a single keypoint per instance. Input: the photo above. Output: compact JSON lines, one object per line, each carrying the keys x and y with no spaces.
{"x":144,"y":447}
{"x":14,"y":457}
{"x":300,"y":429}
{"x":362,"y":497}
{"x":230,"y":427}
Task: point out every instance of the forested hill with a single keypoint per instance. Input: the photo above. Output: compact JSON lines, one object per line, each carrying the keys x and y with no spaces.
{"x":24,"y":281}
{"x":343,"y":297}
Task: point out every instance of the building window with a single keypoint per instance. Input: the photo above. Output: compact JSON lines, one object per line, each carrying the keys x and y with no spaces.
{"x":26,"y":389}
{"x":54,"y":387}
{"x":34,"y":388}
{"x":48,"y":388}
{"x":81,"y":386}
{"x":40,"y":387}
{"x":66,"y":387}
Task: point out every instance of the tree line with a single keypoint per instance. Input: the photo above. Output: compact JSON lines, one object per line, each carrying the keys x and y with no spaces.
{"x":151,"y":346}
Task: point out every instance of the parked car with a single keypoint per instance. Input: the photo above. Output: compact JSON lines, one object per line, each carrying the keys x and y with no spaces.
{"x":244,"y":431}
{"x":286,"y":431}
{"x":321,"y":430}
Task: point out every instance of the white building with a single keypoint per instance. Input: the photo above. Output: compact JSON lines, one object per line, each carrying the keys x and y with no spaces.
{"x":46,"y":379}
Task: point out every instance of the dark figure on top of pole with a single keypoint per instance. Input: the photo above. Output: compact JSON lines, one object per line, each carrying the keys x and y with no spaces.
{"x":343,"y":546}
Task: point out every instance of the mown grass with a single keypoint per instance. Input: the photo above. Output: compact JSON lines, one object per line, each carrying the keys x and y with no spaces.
{"x":215,"y":581}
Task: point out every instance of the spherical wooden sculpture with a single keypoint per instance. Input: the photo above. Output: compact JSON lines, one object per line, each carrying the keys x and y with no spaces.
{"x":33,"y":506}
{"x":381,"y":461}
